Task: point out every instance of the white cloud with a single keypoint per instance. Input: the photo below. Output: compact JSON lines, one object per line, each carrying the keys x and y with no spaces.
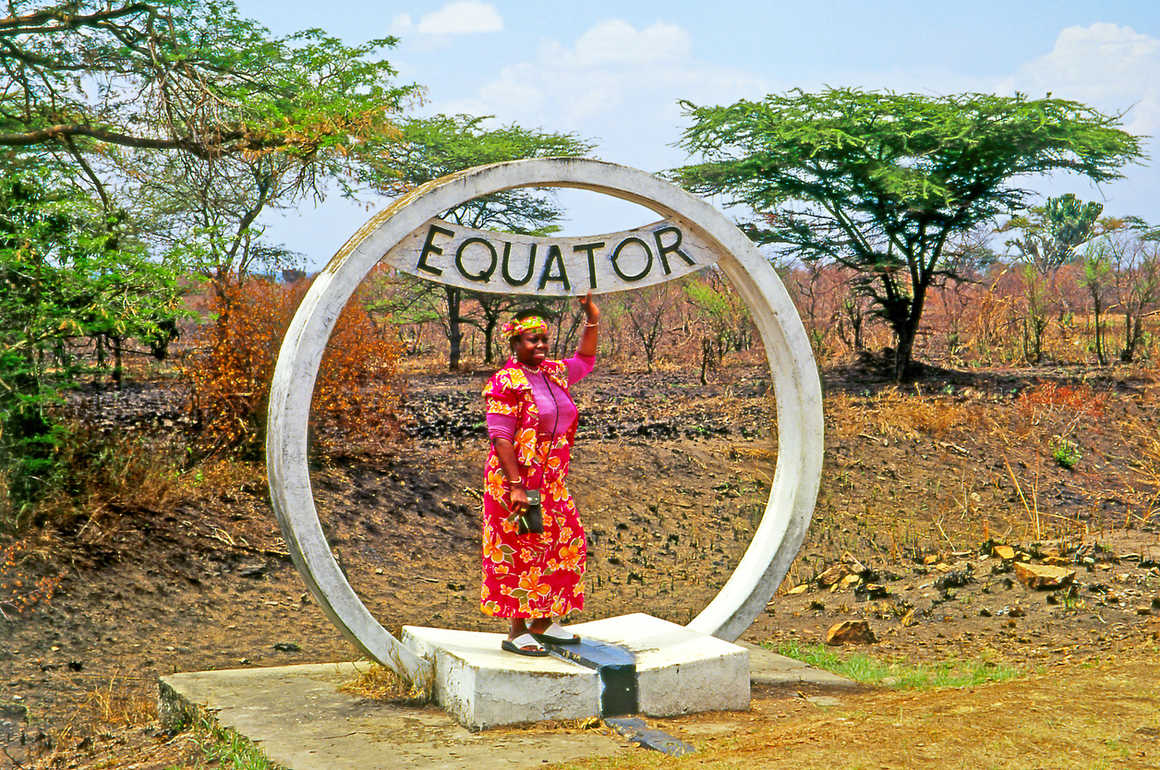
{"x":618,"y":42}
{"x":616,"y":84}
{"x":613,"y":78}
{"x":465,"y":17}
{"x":400,"y":25}
{"x":1108,"y":66}
{"x":619,"y":84}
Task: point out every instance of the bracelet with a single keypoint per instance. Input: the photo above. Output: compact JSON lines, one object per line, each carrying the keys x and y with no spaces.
{"x":587,"y":325}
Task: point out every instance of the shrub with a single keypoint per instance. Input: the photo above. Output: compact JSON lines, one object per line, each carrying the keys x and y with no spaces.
{"x":1065,"y":452}
{"x":1050,"y":400}
{"x":67,"y":279}
{"x":356,"y":394}
{"x":91,"y":473}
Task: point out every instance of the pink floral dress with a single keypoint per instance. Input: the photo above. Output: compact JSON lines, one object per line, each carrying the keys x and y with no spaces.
{"x":537,"y":574}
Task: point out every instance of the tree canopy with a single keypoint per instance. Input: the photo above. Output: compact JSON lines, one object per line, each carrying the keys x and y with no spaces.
{"x":183,"y":75}
{"x":443,"y":144}
{"x":880,"y":181}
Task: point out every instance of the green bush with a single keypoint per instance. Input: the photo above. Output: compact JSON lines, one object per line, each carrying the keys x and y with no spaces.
{"x":1065,"y":452}
{"x":68,"y":277}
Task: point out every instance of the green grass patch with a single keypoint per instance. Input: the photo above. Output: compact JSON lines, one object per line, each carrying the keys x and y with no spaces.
{"x":224,"y":748}
{"x":865,"y":669}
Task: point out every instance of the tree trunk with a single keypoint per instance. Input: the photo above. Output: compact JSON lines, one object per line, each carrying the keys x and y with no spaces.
{"x":1035,"y":326}
{"x":1101,"y":357}
{"x":907,"y":331}
{"x":903,"y":353}
{"x":1132,"y":334}
{"x":454,"y":326}
{"x":488,"y":340}
{"x":706,"y":358}
{"x":117,"y":369}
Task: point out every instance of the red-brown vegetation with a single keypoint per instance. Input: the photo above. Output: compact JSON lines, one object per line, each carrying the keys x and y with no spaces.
{"x":232,"y":362}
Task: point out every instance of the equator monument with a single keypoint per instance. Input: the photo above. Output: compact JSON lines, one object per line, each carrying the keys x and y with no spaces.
{"x":628,"y":664}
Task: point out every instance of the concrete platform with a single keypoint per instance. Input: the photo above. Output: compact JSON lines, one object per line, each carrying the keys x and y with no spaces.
{"x":677,"y":671}
{"x":297,"y":715}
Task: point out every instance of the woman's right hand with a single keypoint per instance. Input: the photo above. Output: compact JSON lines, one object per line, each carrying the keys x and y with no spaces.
{"x":519,"y":497}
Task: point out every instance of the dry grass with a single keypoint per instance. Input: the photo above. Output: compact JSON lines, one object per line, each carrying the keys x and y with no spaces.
{"x":118,"y":705}
{"x":379,"y":683}
{"x":1098,"y":717}
{"x":97,"y":471}
{"x":112,"y":708}
{"x":955,"y":471}
{"x":215,"y":476}
{"x":894,"y":414}
{"x":553,"y":726}
{"x":1142,"y":446}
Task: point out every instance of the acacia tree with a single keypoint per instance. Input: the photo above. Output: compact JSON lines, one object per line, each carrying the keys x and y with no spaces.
{"x":179,"y":75}
{"x":200,"y":117}
{"x":433,"y":147}
{"x":724,"y":319}
{"x":1139,"y":290}
{"x":1098,"y":279}
{"x":1126,"y":252}
{"x":1051,"y":233}
{"x":649,"y":312}
{"x":880,"y":182}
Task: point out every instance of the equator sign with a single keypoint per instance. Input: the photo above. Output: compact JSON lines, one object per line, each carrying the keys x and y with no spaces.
{"x":504,"y":263}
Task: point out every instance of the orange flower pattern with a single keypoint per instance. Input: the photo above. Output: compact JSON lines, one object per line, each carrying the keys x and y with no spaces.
{"x":538,"y":574}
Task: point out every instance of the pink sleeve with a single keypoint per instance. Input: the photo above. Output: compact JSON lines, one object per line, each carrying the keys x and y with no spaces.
{"x":501,"y":426}
{"x":579,"y":367}
{"x":502,"y":407}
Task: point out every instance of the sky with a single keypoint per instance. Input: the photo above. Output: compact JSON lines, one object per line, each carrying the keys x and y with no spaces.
{"x":613,"y":72}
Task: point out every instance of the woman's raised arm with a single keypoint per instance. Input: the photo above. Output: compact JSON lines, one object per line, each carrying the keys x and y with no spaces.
{"x":591,"y":325}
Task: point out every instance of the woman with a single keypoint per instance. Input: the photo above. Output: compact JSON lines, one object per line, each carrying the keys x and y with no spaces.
{"x":537,"y":577}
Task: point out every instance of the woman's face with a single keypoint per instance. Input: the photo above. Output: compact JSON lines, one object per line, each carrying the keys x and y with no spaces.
{"x":530,"y":348}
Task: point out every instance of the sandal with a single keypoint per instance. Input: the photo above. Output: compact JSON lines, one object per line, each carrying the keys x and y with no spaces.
{"x":556,"y":634}
{"x":524,"y":644}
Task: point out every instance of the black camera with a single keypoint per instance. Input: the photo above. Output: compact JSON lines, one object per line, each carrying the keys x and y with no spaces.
{"x":532,"y":519}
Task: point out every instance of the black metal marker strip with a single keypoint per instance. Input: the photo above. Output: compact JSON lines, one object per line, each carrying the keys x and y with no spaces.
{"x":646,"y":737}
{"x":616,"y":667}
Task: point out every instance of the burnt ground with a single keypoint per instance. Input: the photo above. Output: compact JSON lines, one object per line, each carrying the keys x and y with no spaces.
{"x":920,"y":486}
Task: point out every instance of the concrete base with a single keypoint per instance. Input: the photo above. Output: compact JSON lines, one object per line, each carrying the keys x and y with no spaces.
{"x":678,"y":671}
{"x":482,"y":686}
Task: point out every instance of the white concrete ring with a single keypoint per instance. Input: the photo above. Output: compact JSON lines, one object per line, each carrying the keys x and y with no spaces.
{"x":795,"y":379}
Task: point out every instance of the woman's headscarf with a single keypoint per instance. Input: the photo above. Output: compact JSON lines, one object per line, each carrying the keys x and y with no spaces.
{"x":532,"y":323}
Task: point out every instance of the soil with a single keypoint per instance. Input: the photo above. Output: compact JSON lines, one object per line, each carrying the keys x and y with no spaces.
{"x":920,"y":486}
